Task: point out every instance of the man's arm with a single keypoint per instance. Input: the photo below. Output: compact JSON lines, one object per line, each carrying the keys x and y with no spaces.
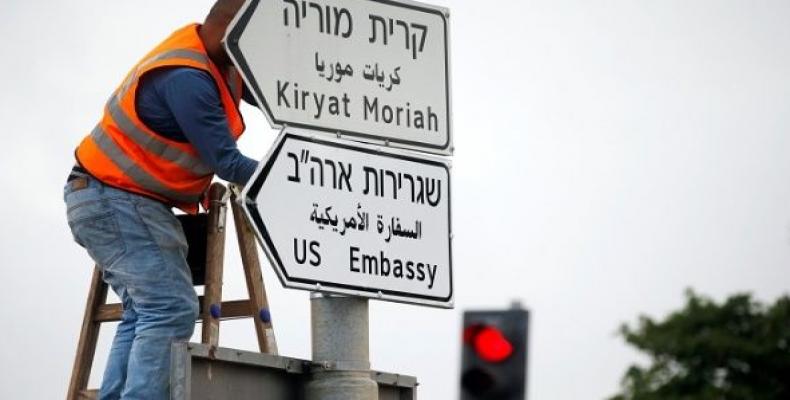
{"x":193,"y":98}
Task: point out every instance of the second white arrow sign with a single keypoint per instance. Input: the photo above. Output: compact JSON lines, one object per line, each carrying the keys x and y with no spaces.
{"x":342,"y":217}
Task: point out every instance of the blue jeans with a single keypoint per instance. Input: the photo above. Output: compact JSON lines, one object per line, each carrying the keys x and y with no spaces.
{"x":141,"y":249}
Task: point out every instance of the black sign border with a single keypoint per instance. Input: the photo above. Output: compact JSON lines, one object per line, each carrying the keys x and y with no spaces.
{"x":257,"y":184}
{"x":233,"y":47}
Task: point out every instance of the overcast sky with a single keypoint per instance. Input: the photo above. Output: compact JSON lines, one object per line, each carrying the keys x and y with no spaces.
{"x":609,"y":154}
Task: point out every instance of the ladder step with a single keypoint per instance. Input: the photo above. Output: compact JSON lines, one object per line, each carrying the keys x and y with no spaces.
{"x":89,"y":394}
{"x":230,"y":310}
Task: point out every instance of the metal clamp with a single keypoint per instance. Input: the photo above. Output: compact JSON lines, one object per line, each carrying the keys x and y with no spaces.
{"x":344,"y":366}
{"x":223,"y":210}
{"x":235,"y":193}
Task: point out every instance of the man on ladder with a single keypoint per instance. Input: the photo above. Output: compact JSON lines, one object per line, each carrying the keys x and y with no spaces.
{"x":168,"y":128}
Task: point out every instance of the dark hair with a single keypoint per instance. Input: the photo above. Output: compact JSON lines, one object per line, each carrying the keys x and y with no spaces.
{"x":223,"y":10}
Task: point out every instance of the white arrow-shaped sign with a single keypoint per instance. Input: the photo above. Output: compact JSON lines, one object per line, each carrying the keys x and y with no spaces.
{"x":342,"y":217}
{"x":377,"y":70}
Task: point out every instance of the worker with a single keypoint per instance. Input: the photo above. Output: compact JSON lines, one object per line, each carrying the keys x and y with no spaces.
{"x":166,"y":130}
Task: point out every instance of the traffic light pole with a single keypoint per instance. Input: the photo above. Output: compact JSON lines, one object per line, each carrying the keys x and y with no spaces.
{"x":340,"y":347}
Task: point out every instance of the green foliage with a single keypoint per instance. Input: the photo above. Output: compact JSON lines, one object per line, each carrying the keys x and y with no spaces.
{"x":739,"y":349}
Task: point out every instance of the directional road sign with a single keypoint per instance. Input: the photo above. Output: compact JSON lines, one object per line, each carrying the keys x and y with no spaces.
{"x":377,"y":70}
{"x":343,"y":217}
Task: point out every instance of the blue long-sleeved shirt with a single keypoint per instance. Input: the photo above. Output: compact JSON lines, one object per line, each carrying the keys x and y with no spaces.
{"x":183,"y":104}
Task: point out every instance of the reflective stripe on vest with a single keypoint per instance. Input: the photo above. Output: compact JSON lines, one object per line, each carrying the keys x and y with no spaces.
{"x":108,"y":146}
{"x":168,"y":55}
{"x":154,"y":144}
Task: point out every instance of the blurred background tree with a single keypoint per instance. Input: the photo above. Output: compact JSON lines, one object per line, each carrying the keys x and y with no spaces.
{"x":739,"y":349}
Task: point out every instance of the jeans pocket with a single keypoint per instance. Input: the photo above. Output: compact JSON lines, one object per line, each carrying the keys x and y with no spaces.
{"x":163,"y":226}
{"x":95,"y":227}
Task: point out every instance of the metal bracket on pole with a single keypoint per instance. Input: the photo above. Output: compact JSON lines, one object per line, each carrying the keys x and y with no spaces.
{"x":349,"y":366}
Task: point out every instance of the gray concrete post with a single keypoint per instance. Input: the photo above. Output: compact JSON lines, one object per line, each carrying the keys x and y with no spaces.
{"x":340,"y":347}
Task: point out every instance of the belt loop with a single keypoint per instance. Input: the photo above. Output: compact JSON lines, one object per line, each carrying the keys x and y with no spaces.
{"x":97,"y":184}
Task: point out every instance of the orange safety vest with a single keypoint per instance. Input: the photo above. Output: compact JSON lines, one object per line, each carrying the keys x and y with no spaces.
{"x":123,"y":152}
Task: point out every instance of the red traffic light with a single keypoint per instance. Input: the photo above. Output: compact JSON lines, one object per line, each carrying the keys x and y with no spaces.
{"x":494,"y":355}
{"x":489,"y":343}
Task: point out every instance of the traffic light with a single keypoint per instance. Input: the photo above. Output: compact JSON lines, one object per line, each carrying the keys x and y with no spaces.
{"x":494,"y":355}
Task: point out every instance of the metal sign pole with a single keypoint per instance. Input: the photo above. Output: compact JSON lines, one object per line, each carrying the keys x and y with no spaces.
{"x":340,"y":347}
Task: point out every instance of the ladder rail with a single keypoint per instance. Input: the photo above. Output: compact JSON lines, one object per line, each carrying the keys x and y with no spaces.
{"x":212,"y":308}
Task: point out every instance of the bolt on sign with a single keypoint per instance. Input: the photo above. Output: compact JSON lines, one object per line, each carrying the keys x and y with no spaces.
{"x":356,"y":219}
{"x":374,"y":70}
